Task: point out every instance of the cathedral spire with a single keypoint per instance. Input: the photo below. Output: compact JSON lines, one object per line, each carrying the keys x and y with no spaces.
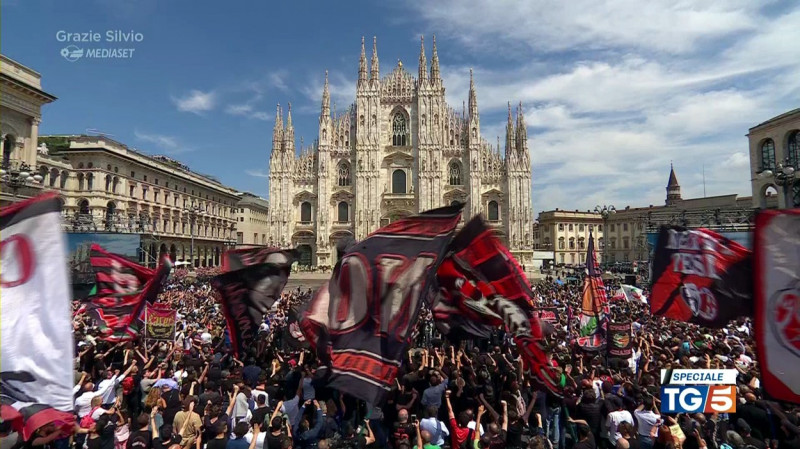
{"x":522,"y":130}
{"x":473,"y":98}
{"x":509,"y":132}
{"x":278,"y":120}
{"x":289,"y":118}
{"x":362,"y":64}
{"x":277,"y":133}
{"x":326,"y":99}
{"x":423,"y":62}
{"x":375,"y":70}
{"x":288,"y":133}
{"x":673,"y":188}
{"x":435,"y":63}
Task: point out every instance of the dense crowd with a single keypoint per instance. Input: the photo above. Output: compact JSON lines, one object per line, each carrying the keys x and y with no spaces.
{"x":192,"y":393}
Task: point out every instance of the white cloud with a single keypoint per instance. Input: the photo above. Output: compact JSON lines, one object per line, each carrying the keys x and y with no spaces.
{"x":169,"y":144}
{"x":257,"y":173}
{"x":341,"y":88}
{"x":196,"y":101}
{"x":614,"y":91}
{"x":246,"y":110}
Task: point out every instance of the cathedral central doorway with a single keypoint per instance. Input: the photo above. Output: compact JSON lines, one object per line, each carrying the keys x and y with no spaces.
{"x":305,"y":255}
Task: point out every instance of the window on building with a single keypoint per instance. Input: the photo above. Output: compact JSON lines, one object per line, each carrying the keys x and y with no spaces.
{"x":612,"y":227}
{"x":239,"y":238}
{"x":455,"y":174}
{"x":572,"y":243}
{"x":344,"y":174}
{"x":613,"y":243}
{"x":241,"y":219}
{"x":793,"y":149}
{"x":399,"y":130}
{"x":83,"y":207}
{"x":625,"y":243}
{"x":581,"y":228}
{"x":90,"y":181}
{"x":494,"y":211}
{"x":561,"y":226}
{"x":572,"y":258}
{"x":399,"y":181}
{"x":343,"y":212}
{"x":80,"y":181}
{"x":305,"y":212}
{"x":571,"y":227}
{"x":91,"y":165}
{"x":581,"y":243}
{"x":600,"y":243}
{"x":145,"y":178}
{"x":561,"y":243}
{"x":599,"y":228}
{"x":561,"y":258}
{"x":132,"y":192}
{"x":624,"y":226}
{"x":591,"y":228}
{"x":155,"y":196}
{"x":183,"y":228}
{"x":255,"y":238}
{"x":144,"y":193}
{"x":768,"y":155}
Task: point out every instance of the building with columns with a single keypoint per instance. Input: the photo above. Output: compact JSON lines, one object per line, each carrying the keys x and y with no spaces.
{"x":397,"y":150}
{"x":775,"y":160}
{"x":106,"y":186}
{"x":21,"y":101}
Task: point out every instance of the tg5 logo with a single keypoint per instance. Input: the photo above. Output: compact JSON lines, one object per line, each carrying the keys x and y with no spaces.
{"x":698,"y":399}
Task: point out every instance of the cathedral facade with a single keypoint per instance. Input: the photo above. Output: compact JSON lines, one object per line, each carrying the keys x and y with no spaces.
{"x":398,"y":150}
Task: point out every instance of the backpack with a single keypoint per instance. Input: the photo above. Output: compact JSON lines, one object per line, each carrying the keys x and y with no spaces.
{"x":87,"y":421}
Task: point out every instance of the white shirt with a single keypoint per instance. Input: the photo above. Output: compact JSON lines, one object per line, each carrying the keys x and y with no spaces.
{"x":613,"y":421}
{"x":259,"y":440}
{"x":471,"y":425}
{"x":108,"y":389}
{"x":646,"y":420}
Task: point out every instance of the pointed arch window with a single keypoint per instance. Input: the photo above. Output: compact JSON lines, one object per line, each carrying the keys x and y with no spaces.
{"x":768,"y":155}
{"x":344,"y":174}
{"x":343,"y":212}
{"x":455,"y":174}
{"x":494,"y":211}
{"x":399,"y":181}
{"x":399,"y":130}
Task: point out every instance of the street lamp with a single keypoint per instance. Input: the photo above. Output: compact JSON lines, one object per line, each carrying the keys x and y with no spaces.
{"x":605,"y":211}
{"x":194,"y":211}
{"x":16,"y":176}
{"x":785,"y":176}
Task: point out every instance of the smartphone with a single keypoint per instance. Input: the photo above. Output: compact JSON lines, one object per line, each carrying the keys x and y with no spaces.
{"x":413,"y":418}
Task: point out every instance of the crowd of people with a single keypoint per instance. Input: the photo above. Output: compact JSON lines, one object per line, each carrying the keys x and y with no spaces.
{"x":192,"y":393}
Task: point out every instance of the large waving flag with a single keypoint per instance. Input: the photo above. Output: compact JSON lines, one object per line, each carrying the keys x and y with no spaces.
{"x":37,"y":349}
{"x":122,"y":290}
{"x":248,"y":292}
{"x":594,"y":308}
{"x":361,"y":322}
{"x":484,"y":285}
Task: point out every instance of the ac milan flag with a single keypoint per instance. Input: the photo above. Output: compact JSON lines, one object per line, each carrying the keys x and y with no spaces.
{"x":122,"y":290}
{"x":620,"y":343}
{"x":37,"y":346}
{"x":701,"y":277}
{"x":293,"y":335}
{"x":777,"y":302}
{"x":594,"y":308}
{"x":489,"y":288}
{"x":237,"y":259}
{"x":361,"y":322}
{"x":247,"y":294}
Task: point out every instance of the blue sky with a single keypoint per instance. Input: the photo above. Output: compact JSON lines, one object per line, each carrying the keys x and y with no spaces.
{"x":612,"y":91}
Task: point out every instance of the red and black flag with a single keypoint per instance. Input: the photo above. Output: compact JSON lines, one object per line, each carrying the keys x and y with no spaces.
{"x":594,"y":308}
{"x":292,"y":334}
{"x":247,"y":294}
{"x":701,"y":277}
{"x":122,"y":289}
{"x":361,"y":322}
{"x":777,"y":302}
{"x":491,"y":289}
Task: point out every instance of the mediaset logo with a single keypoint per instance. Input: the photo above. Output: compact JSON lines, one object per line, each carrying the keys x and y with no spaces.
{"x":698,"y":391}
{"x":73,"y":52}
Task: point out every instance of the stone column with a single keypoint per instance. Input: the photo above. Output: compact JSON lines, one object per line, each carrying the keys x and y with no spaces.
{"x":29,"y":154}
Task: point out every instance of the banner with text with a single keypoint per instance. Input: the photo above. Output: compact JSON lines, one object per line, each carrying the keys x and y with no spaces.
{"x":159,"y":322}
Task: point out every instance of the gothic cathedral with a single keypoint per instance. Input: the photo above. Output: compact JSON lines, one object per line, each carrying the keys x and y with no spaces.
{"x":398,"y":150}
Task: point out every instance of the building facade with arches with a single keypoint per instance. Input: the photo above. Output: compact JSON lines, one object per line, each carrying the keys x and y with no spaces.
{"x":772,"y":143}
{"x":109,"y":187}
{"x":397,"y":150}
